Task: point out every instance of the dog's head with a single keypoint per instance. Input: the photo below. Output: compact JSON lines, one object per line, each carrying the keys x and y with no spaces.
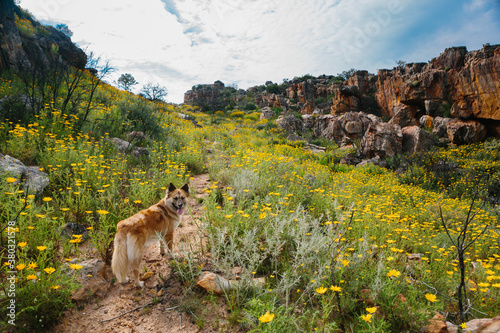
{"x":177,"y":198}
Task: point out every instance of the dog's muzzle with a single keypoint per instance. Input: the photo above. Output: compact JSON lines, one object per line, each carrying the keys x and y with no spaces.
{"x":178,"y":207}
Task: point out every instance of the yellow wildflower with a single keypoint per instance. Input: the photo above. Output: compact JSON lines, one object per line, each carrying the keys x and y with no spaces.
{"x":335,"y":288}
{"x":49,"y":270}
{"x":430,"y":297}
{"x":367,"y":318}
{"x":321,"y":290}
{"x":267,"y":317}
{"x":394,"y":273}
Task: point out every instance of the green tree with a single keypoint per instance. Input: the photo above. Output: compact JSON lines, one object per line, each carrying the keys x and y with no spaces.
{"x":126,"y":81}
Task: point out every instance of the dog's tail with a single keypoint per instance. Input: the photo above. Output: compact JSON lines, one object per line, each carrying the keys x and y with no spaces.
{"x":119,"y":263}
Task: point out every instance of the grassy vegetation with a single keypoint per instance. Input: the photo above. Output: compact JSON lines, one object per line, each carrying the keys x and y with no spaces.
{"x":332,"y":242}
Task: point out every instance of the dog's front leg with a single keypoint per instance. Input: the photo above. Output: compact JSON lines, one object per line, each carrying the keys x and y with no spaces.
{"x":168,"y":240}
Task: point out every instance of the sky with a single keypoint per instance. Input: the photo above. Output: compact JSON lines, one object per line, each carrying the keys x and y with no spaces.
{"x":182,"y":43}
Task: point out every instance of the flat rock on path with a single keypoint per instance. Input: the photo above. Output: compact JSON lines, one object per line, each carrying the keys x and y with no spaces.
{"x":122,"y":298}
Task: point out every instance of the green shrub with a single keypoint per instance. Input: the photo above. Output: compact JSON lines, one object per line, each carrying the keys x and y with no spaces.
{"x":237,"y":114}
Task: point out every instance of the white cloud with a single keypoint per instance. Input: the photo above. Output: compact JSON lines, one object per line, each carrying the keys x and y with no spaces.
{"x":180,"y":43}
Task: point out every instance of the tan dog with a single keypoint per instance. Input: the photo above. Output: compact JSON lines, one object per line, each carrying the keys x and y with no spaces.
{"x":144,"y":227}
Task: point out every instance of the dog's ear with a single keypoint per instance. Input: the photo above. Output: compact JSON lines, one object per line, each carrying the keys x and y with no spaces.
{"x":171,"y":187}
{"x":185,"y":188}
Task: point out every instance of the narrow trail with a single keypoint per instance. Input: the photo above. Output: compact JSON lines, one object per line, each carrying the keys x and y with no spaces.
{"x":122,"y":298}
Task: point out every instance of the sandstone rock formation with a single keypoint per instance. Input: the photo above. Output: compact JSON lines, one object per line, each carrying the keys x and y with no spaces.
{"x":465,"y":83}
{"x":266,"y":113}
{"x":465,"y":131}
{"x":456,"y":84}
{"x":415,"y":139}
{"x":382,"y":140}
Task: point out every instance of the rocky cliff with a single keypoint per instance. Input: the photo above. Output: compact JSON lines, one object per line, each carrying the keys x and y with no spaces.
{"x":457,"y":84}
{"x":25,"y":43}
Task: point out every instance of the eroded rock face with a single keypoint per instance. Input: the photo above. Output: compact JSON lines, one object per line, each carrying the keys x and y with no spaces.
{"x":343,"y":129}
{"x":20,"y":52}
{"x":415,"y":139}
{"x":266,"y":113}
{"x":465,"y":131}
{"x":440,"y":126}
{"x":382,"y":140}
{"x":470,"y":80}
{"x":290,"y":123}
{"x":354,"y":94}
{"x":404,"y":116}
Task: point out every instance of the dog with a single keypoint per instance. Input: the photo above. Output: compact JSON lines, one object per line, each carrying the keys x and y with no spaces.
{"x":133,"y":233}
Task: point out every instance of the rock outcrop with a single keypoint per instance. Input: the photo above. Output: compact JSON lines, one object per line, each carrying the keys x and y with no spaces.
{"x":457,"y":84}
{"x":126,"y":147}
{"x":416,"y":139}
{"x":382,"y":140}
{"x":34,"y":45}
{"x":32,"y":179}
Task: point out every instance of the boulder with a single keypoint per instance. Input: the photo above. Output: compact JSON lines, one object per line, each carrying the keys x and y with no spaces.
{"x":125,"y":147}
{"x":465,"y":131}
{"x":426,"y":121}
{"x":266,"y":113}
{"x":354,"y":124}
{"x":70,"y":229}
{"x":295,"y":137}
{"x":220,"y":285}
{"x":404,"y":116}
{"x":382,"y":140}
{"x":328,"y":127}
{"x":375,"y":161}
{"x":290,"y":123}
{"x":344,"y":129}
{"x":416,"y":139}
{"x":483,"y":325}
{"x":93,"y":278}
{"x":436,"y":325}
{"x":492,"y":326}
{"x":350,"y":159}
{"x":34,"y":179}
{"x":440,"y":128}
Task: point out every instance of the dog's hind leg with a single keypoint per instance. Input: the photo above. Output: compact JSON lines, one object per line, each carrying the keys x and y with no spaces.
{"x":134,"y":251}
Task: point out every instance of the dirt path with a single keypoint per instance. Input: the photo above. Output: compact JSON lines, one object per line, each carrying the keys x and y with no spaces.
{"x":122,"y":298}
